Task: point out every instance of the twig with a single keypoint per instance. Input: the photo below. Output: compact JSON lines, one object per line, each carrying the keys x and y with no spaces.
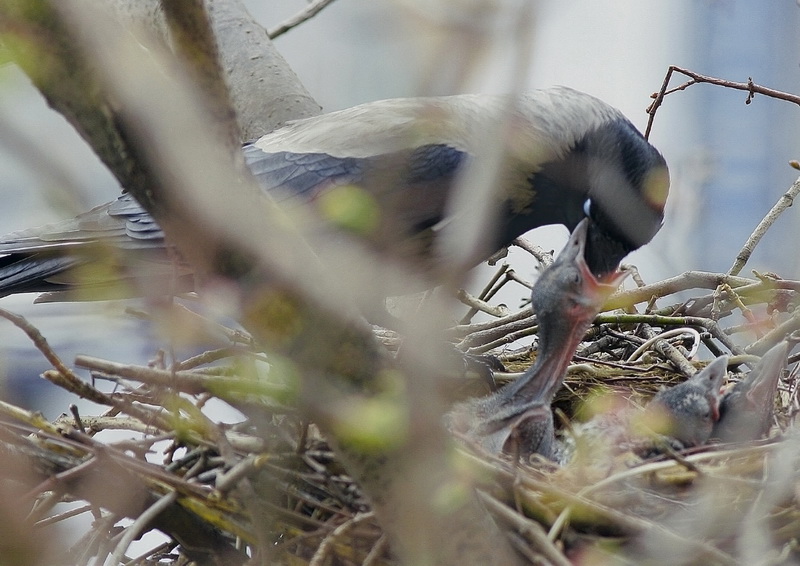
{"x":783,"y":203}
{"x":47,"y":521}
{"x":186,"y":381}
{"x":506,"y":338}
{"x":31,"y":418}
{"x":96,"y":424}
{"x":696,"y":78}
{"x":670,"y":352}
{"x":683,"y":282}
{"x":545,"y":258}
{"x":486,"y":293}
{"x":66,"y":378}
{"x":228,"y":480}
{"x":306,"y":14}
{"x":132,"y":532}
{"x":477,"y":304}
{"x":325,"y":546}
{"x":73,"y":409}
{"x":531,"y":530}
{"x":211,"y":356}
{"x":663,"y":336}
{"x":41,"y":344}
{"x":465,"y":330}
{"x":680,"y":458}
{"x":483,"y":334}
{"x":376,"y":551}
{"x":514,"y":276}
{"x":735,"y":298}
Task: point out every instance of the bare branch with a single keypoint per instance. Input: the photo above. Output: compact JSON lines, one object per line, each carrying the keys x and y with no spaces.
{"x":783,"y":203}
{"x":303,"y":15}
{"x":696,"y":78}
{"x":265,"y":91}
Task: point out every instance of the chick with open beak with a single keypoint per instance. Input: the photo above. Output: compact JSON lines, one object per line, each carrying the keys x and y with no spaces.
{"x":517,"y":419}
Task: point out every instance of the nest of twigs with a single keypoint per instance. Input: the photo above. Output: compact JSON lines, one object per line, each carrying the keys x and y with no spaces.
{"x":219,"y":488}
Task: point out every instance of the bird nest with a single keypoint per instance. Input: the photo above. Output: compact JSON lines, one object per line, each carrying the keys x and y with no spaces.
{"x":270,"y":480}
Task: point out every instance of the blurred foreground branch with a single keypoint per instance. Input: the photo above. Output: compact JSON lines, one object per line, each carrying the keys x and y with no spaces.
{"x":339,"y":446}
{"x":137,"y":108}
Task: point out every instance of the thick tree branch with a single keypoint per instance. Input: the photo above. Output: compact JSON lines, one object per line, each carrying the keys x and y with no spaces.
{"x":265,"y":91}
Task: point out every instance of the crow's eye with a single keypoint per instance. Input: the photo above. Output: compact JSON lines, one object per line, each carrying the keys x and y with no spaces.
{"x":587,"y":207}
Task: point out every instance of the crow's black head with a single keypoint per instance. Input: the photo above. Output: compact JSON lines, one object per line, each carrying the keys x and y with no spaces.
{"x":628,"y":184}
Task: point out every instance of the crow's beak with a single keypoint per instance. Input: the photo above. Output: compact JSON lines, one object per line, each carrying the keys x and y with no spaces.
{"x":595,"y":289}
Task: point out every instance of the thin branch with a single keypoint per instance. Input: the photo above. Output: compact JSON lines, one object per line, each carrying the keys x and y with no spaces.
{"x":477,"y":304}
{"x":185,"y":381}
{"x":324,"y":550}
{"x":141,"y":523}
{"x":518,"y":322}
{"x":304,"y":15}
{"x":696,"y":78}
{"x":531,"y":530}
{"x":683,"y":282}
{"x":783,"y":203}
{"x":544,"y":257}
{"x":41,"y":344}
{"x":672,"y":354}
{"x":486,"y":293}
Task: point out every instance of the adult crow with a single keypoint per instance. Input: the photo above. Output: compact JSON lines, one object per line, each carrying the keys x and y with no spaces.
{"x":385,"y":170}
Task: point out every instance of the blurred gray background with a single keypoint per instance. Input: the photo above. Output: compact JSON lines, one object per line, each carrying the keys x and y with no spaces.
{"x":728,"y":160}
